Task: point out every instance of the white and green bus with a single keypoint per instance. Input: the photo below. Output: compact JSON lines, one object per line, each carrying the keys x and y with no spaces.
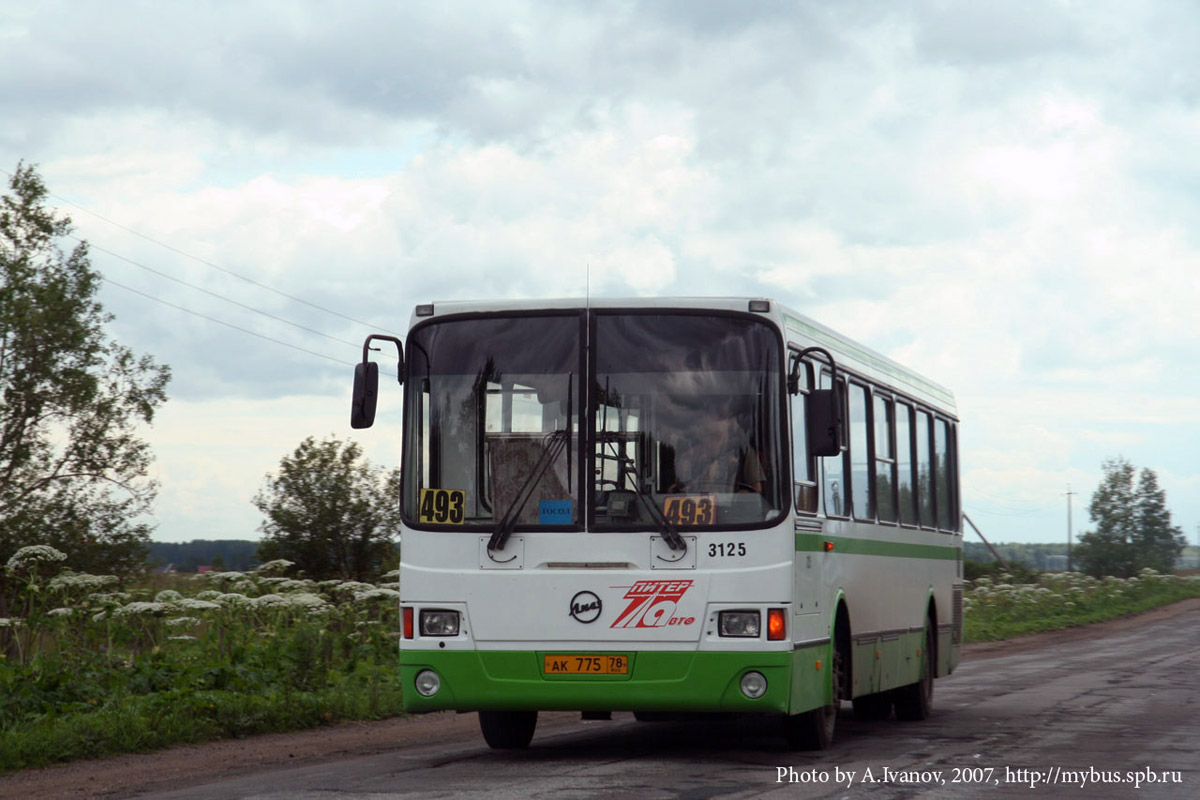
{"x":669,"y":505}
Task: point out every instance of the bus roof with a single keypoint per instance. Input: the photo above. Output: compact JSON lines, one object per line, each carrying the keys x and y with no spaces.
{"x":796,"y":328}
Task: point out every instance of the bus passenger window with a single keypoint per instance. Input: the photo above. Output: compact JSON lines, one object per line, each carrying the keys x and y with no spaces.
{"x":904,"y":465}
{"x":885,"y":461}
{"x":859,"y":459}
{"x":941,"y":438}
{"x":924,"y":473}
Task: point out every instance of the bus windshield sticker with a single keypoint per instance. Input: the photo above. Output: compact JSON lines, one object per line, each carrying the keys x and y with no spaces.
{"x":690,"y":509}
{"x":442,"y":506}
{"x":555,"y":512}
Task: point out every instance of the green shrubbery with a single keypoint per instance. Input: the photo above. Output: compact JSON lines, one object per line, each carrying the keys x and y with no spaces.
{"x":1003,"y":606}
{"x":88,"y":670}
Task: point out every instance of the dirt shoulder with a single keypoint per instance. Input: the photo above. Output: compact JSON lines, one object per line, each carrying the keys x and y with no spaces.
{"x":122,"y":776}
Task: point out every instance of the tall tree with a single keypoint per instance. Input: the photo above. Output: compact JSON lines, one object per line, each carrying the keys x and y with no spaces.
{"x":330,"y":511}
{"x":73,"y":471}
{"x":1158,"y":542}
{"x":1133,"y":526}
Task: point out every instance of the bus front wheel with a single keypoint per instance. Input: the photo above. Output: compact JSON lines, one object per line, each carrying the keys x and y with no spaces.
{"x":507,"y":730}
{"x":813,"y":730}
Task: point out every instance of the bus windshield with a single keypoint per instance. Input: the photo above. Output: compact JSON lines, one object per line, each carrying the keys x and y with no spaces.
{"x":687,"y":419}
{"x":491,"y":403}
{"x":682,"y":414}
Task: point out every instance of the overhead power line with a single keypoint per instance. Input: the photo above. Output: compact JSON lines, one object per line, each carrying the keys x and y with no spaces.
{"x":212,"y":293}
{"x":228,"y":324}
{"x":211,"y":265}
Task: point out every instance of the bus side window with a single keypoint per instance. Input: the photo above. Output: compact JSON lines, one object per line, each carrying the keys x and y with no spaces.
{"x":925,"y":476}
{"x":860,"y":483}
{"x":942,"y":491}
{"x":804,"y":484}
{"x":885,"y":460}
{"x":904,"y":465}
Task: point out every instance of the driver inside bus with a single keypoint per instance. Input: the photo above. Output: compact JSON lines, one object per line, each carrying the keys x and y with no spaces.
{"x":716,"y":456}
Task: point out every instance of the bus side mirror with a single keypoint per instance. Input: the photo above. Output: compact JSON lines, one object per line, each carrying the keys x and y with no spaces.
{"x":824,"y":422}
{"x":366,"y":393}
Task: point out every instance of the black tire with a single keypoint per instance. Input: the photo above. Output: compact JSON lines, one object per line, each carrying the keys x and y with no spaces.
{"x":507,"y":730}
{"x":873,"y":706}
{"x":915,"y":701}
{"x":813,"y":730}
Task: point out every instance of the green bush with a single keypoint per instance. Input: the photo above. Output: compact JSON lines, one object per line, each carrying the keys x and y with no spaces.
{"x":1001,"y":606}
{"x":87,"y":672}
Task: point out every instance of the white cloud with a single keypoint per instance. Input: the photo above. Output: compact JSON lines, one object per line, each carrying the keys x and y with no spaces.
{"x":1008,"y":207}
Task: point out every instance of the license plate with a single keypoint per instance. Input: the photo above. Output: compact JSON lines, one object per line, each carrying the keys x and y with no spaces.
{"x":570,"y":664}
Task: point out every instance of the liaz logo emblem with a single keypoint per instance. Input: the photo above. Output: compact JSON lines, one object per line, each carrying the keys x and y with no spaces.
{"x":652,"y":604}
{"x":585,"y":607}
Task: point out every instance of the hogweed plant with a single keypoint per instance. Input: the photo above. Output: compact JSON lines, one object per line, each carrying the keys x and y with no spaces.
{"x":96,"y":667}
{"x":1001,"y":608}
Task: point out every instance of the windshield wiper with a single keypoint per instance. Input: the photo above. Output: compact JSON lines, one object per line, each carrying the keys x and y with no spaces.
{"x":669,"y":534}
{"x":553,"y":445}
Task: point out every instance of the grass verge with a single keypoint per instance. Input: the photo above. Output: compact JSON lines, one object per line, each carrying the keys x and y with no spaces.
{"x":996,"y":609}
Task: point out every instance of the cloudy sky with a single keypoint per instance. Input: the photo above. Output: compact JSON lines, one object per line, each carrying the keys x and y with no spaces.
{"x":1005,"y":196}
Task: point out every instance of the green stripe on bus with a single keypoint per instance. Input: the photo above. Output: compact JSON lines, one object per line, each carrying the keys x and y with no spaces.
{"x":658,"y":681}
{"x":809,"y":542}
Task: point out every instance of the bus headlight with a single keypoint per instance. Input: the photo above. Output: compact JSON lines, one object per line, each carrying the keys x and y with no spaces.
{"x":437,"y":622}
{"x":754,"y":685}
{"x":744,"y":624}
{"x":428,"y":683}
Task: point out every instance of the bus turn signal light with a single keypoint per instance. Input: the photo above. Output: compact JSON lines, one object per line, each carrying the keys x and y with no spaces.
{"x":828,"y":547}
{"x":776,"y":625}
{"x":408,"y":623}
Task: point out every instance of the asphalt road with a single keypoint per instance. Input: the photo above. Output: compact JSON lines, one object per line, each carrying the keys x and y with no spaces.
{"x":1074,"y":717}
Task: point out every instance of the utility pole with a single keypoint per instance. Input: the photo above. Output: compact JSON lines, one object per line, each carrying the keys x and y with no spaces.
{"x":1070,"y":494}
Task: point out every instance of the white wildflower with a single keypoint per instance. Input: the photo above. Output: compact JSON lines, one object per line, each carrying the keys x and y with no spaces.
{"x":60,"y":612}
{"x":6,"y":622}
{"x":276,"y":567}
{"x":235,"y":600}
{"x":111,"y":598}
{"x":180,"y":622}
{"x":82,"y":580}
{"x":311,"y":604}
{"x":209,"y":594}
{"x":376,"y":594}
{"x":271,"y":601}
{"x":182,"y":638}
{"x":226,"y":576}
{"x":168,"y":596}
{"x":351,"y":588}
{"x":393,"y":574}
{"x":195,"y":604}
{"x":33,"y":555}
{"x":142,"y":609}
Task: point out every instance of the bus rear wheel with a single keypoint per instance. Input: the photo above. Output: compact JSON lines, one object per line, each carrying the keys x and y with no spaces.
{"x":507,"y":730}
{"x":915,"y":701}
